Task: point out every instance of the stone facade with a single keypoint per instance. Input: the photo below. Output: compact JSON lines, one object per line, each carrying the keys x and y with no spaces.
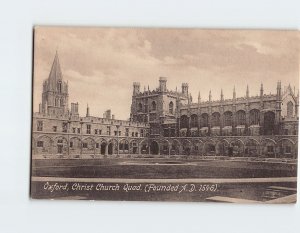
{"x":168,"y":123}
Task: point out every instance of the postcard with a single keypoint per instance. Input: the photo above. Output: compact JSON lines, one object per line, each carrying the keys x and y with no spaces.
{"x":158,"y":114}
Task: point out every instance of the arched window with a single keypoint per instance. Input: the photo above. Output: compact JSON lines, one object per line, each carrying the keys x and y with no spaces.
{"x":290,"y":109}
{"x":194,"y":121}
{"x":59,"y":87}
{"x":171,"y":107}
{"x":204,"y":120}
{"x":184,"y":121}
{"x":269,"y":123}
{"x":61,"y":102}
{"x":228,"y":118}
{"x":240,"y":117}
{"x":140,"y":107}
{"x":153,"y":106}
{"x":254,"y":117}
{"x":215,"y":121}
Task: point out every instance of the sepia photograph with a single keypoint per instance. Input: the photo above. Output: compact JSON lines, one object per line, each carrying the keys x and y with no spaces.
{"x":165,"y":114}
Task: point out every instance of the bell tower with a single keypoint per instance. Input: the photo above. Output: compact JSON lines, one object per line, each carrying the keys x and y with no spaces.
{"x":55,"y":91}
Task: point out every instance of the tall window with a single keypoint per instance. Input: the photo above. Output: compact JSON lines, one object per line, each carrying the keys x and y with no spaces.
{"x":204,"y":120}
{"x":215,"y":121}
{"x":171,"y":107}
{"x":65,"y":127}
{"x":61,"y":102}
{"x":241,"y":117}
{"x":88,"y":129}
{"x":140,"y":108}
{"x":194,"y":120}
{"x":39,"y":126}
{"x":108,"y":130}
{"x":290,"y":109}
{"x":228,"y":118}
{"x":127,"y":132}
{"x":184,"y":121}
{"x":254,"y":117}
{"x":153,"y":105}
{"x":59,"y":87}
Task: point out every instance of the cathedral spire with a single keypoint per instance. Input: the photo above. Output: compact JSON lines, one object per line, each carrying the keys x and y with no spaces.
{"x":209,"y":97}
{"x":199,"y":97}
{"x":247,"y":91}
{"x":55,"y":73}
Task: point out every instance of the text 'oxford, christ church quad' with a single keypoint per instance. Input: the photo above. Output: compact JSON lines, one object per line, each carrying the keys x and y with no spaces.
{"x":167,"y":123}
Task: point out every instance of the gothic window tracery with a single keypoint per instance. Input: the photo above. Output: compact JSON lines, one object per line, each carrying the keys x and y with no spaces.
{"x":290,"y":109}
{"x":215,"y":119}
{"x":228,"y":118}
{"x":241,"y":117}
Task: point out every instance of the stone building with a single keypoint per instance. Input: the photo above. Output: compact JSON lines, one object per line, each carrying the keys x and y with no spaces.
{"x":224,"y":126}
{"x":60,"y":131}
{"x":168,"y":123}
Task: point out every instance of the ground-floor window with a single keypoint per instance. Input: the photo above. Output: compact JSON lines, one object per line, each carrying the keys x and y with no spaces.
{"x":71,"y":144}
{"x":84,"y":145}
{"x":288,"y":149}
{"x":270,"y":149}
{"x":40,"y":144}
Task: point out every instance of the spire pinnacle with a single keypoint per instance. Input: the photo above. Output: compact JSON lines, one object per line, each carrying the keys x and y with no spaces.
{"x":209,"y":97}
{"x":261,"y":89}
{"x":234,"y":94}
{"x":55,"y":73}
{"x":222,"y":96}
{"x":247,"y":91}
{"x":87,"y":110}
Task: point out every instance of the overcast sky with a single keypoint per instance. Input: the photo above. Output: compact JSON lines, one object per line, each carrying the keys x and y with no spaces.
{"x":101,"y":64}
